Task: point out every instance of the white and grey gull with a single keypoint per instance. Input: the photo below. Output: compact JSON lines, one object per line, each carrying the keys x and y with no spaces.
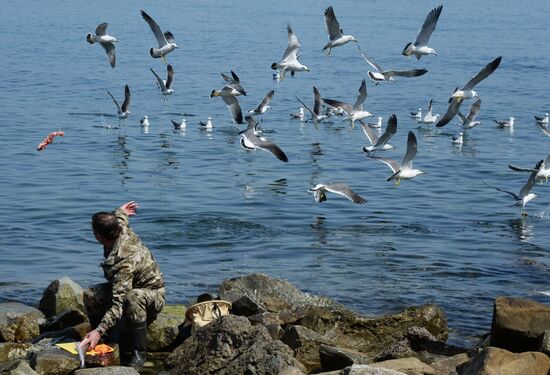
{"x":289,"y":61}
{"x":105,"y":40}
{"x":319,"y":192}
{"x":420,"y":47}
{"x":335,"y":34}
{"x":166,"y":41}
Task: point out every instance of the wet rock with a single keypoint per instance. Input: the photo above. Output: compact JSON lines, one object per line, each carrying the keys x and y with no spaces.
{"x":519,"y":324}
{"x":19,"y":322}
{"x":16,"y":327}
{"x":493,"y":360}
{"x":61,"y":295}
{"x":97,"y":299}
{"x":305,"y":343}
{"x":373,"y":335}
{"x":245,"y":306}
{"x":114,"y":370}
{"x":54,"y":362}
{"x":333,"y":358}
{"x":11,"y":350}
{"x":69,"y":318}
{"x":545,"y":345}
{"x":231,"y":345}
{"x":275,"y":295}
{"x":162,"y":334}
{"x":17,"y":367}
{"x":448,"y":365}
{"x":409,"y":365}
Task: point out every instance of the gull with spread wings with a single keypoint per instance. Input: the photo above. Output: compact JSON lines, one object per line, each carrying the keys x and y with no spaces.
{"x":382,"y":142}
{"x":319,"y":192}
{"x":316,"y":115}
{"x":229,"y":94}
{"x":335,"y":33}
{"x":122,"y":111}
{"x":290,"y":62}
{"x":467,"y":92}
{"x":420,"y":47}
{"x":105,"y":40}
{"x":251,"y":141}
{"x":264,"y":105}
{"x":382,"y":75}
{"x":353,"y":112}
{"x":166,"y":41}
{"x":165,"y":85}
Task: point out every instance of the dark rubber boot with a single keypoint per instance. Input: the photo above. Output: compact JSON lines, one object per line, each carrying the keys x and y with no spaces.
{"x":139,"y":337}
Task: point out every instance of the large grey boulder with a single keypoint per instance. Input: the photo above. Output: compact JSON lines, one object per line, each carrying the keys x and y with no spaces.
{"x":54,"y":362}
{"x":409,"y":365}
{"x":19,"y":322}
{"x":334,"y":358}
{"x":113,"y":370}
{"x":17,"y":367}
{"x":519,"y":324}
{"x":61,"y":295}
{"x":448,"y":365}
{"x":493,"y":360}
{"x":305,"y":343}
{"x":273,"y":294}
{"x":163,"y":333}
{"x":97,"y":299}
{"x":372,"y":336}
{"x":11,"y":350}
{"x":230,"y":345}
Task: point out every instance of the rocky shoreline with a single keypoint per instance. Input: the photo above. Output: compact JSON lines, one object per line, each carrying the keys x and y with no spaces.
{"x":274,"y":328}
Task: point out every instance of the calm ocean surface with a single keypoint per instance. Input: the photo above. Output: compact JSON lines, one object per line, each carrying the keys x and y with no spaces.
{"x":210,"y":210}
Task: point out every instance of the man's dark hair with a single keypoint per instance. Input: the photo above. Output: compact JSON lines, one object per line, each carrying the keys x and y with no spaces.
{"x":106,"y":224}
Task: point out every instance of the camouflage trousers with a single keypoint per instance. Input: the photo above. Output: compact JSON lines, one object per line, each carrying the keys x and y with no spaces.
{"x":142,"y":305}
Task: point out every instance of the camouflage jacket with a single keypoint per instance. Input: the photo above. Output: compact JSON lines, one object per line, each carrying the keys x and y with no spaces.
{"x":128,"y":265}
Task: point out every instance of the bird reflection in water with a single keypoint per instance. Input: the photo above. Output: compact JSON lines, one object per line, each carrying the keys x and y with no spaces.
{"x":522,"y":228}
{"x":279,"y":186}
{"x":121,"y":157}
{"x":319,"y":231}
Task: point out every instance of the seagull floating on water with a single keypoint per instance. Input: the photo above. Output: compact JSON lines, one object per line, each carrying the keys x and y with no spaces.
{"x":144,"y":121}
{"x":105,"y":40}
{"x":179,"y":125}
{"x":505,"y":123}
{"x":289,"y":61}
{"x":542,"y":120}
{"x":467,"y":91}
{"x":355,"y":112}
{"x":250,"y":141}
{"x":335,"y":33}
{"x":417,"y":115}
{"x":458,"y":139}
{"x":377,"y":124}
{"x":543,"y":174}
{"x":403,"y":171}
{"x":382,"y":142}
{"x":524,"y":196}
{"x":469,"y":122}
{"x":206,"y":125}
{"x":166,"y":41}
{"x":165,"y":86}
{"x":122,"y":112}
{"x":382,"y":75}
{"x":300,"y":115}
{"x":340,"y":188}
{"x":264,"y":105}
{"x":229,"y":95}
{"x":420,"y":47}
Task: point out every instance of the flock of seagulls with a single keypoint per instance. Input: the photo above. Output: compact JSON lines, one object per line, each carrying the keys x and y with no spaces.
{"x":324,"y":108}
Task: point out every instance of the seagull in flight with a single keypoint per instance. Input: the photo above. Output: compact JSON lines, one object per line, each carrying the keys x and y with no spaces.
{"x":335,"y":33}
{"x":290,"y":62}
{"x":250,"y":141}
{"x":319,"y":192}
{"x":316,"y":115}
{"x":403,"y":171}
{"x":122,"y":112}
{"x":420,"y":47}
{"x":382,"y":75}
{"x":382,"y":142}
{"x":543,"y":174}
{"x":166,"y":41}
{"x":165,"y":86}
{"x":524,"y":196}
{"x":105,"y":40}
{"x":544,"y":129}
{"x":264,"y":105}
{"x":229,"y":95}
{"x":469,"y":122}
{"x":467,"y":91}
{"x":353,"y":112}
